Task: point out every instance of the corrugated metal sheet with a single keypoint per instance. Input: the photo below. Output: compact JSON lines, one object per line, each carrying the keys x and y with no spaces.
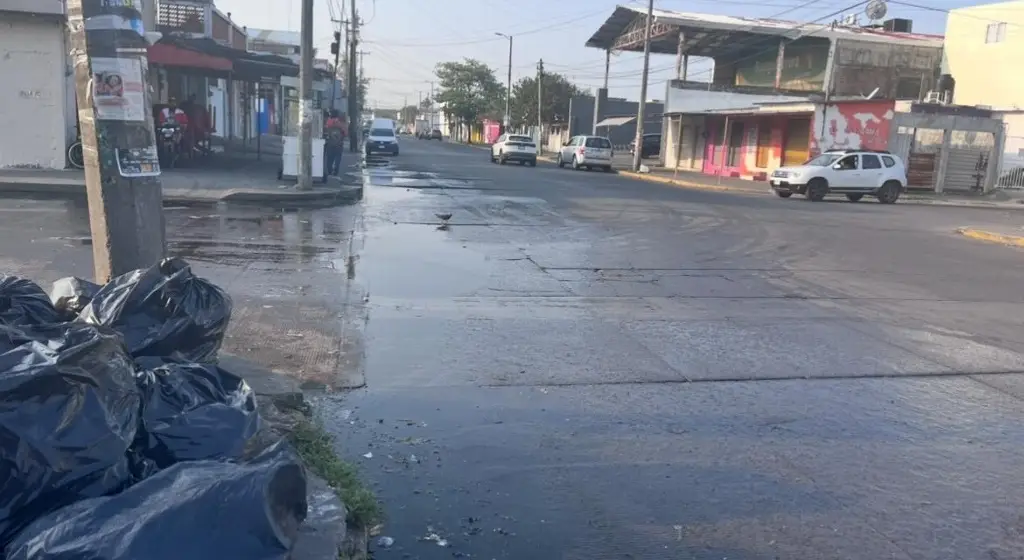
{"x":966,"y":169}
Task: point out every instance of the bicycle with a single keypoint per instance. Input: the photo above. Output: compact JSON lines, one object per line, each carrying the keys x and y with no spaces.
{"x":75,"y":156}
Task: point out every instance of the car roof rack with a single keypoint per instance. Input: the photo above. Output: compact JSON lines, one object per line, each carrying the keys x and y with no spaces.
{"x":857,"y":150}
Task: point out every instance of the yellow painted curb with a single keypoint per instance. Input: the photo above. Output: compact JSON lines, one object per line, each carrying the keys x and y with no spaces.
{"x":991,"y":237}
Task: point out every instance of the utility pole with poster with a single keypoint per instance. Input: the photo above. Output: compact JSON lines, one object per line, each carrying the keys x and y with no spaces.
{"x":108,"y":50}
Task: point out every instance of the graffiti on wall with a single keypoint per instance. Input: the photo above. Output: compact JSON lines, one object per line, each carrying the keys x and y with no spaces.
{"x":851,"y":126}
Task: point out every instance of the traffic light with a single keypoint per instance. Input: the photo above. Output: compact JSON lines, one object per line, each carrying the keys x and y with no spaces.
{"x":336,"y":45}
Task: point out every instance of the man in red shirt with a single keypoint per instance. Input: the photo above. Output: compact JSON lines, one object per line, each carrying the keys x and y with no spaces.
{"x":334,"y":144}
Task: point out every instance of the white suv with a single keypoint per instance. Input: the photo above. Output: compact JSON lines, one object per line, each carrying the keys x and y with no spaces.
{"x":586,"y":151}
{"x":854,"y":173}
{"x":514,"y":147}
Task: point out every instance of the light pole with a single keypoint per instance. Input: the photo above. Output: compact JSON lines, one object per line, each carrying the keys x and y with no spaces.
{"x":508,"y":90}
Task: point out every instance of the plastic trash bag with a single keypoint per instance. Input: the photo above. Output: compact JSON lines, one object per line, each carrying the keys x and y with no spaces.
{"x":70,"y":295}
{"x":69,"y":410}
{"x":23,"y":302}
{"x":164,"y":311}
{"x":192,"y":412}
{"x":204,"y":510}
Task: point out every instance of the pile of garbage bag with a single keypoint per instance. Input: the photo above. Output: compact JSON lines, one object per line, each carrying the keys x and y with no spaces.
{"x":120,"y":436}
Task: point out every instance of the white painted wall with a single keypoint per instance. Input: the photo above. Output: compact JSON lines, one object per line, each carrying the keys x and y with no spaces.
{"x":33,"y":92}
{"x":699,"y":101}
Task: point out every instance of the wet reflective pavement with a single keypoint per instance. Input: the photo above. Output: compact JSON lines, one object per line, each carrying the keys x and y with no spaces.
{"x":581,"y":366}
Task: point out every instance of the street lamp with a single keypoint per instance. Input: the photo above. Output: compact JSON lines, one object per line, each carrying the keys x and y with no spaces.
{"x":508,"y":90}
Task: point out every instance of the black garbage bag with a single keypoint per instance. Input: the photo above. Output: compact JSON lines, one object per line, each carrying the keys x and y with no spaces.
{"x":69,"y":410}
{"x":23,"y":302}
{"x":164,"y":311}
{"x":192,"y":412}
{"x":205,"y":510}
{"x":70,"y":295}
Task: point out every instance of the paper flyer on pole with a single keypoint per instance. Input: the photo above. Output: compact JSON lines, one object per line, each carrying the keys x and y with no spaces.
{"x":118,"y":90}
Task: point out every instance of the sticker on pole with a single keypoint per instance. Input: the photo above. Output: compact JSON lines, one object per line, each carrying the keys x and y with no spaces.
{"x":138,"y":162}
{"x":118,"y":90}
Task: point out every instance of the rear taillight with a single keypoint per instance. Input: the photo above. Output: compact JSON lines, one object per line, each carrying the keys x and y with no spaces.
{"x":582,"y":151}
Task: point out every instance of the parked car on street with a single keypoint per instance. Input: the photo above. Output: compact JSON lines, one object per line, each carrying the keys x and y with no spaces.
{"x":435,"y":135}
{"x":855,"y":173}
{"x":382,"y":138}
{"x":651,"y":145}
{"x":514,"y":147}
{"x":586,"y":152}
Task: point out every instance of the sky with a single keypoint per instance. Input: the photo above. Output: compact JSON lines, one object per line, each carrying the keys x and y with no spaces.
{"x":406,"y":39}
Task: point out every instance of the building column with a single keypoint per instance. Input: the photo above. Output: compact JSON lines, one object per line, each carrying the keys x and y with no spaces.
{"x":679,"y":56}
{"x":603,"y":92}
{"x":779,"y":63}
{"x":995,"y":159}
{"x":940,"y":173}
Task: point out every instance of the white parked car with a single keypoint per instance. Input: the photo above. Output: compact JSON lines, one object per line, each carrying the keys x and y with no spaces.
{"x":514,"y":147}
{"x":854,"y":173}
{"x":586,"y":151}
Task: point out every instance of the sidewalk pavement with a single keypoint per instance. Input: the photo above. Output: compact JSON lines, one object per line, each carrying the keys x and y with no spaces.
{"x":1004,"y":235}
{"x":231,"y":177}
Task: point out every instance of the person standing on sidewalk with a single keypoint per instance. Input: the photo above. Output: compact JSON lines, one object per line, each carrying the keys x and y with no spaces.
{"x":334,"y":144}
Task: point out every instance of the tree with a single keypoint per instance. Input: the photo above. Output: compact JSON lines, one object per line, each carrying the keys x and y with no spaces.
{"x":469,"y":91}
{"x":556,"y":92}
{"x":426,"y":103}
{"x":408,"y":113}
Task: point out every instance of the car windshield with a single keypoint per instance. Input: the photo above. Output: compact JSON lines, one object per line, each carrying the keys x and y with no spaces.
{"x":382,"y":132}
{"x":824,"y":160}
{"x":523,"y":139}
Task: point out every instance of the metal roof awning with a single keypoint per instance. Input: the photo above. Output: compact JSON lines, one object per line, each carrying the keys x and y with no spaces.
{"x":615,"y":121}
{"x":713,"y":35}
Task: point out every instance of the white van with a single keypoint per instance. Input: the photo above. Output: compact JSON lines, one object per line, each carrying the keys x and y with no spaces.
{"x":382,"y":137}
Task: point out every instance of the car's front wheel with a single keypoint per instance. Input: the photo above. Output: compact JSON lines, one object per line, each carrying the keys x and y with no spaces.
{"x":890,"y":192}
{"x":816,"y":190}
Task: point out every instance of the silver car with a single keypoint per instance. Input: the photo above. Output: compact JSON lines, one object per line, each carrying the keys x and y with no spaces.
{"x":586,"y":151}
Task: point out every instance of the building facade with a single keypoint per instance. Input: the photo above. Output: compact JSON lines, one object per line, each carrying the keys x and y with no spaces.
{"x":980,"y":39}
{"x":36,"y":96}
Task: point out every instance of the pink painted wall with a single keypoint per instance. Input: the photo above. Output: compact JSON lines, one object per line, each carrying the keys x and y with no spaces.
{"x":746,"y":161}
{"x":492,"y":130}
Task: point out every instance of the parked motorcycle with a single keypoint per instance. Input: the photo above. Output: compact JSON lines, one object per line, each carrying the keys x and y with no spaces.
{"x":168,"y":144}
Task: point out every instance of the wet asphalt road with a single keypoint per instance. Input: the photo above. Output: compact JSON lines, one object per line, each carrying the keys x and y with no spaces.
{"x":586,"y":367}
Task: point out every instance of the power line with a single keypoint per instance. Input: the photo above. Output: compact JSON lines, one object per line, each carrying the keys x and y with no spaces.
{"x":492,"y":38}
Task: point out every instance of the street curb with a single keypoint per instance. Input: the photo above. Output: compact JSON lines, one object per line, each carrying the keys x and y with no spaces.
{"x":349,"y":194}
{"x":992,"y":237}
{"x":689,"y":184}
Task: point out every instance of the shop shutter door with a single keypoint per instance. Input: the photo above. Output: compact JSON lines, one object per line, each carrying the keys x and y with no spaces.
{"x":797,"y":145}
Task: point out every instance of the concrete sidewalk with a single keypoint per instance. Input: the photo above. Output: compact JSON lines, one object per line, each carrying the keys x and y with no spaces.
{"x":222,"y":178}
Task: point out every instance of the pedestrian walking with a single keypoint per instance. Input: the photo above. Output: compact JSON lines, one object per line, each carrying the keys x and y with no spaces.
{"x":334,"y":144}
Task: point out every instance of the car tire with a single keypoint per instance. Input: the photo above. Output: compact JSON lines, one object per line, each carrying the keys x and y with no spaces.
{"x":501,"y":159}
{"x":533,"y":163}
{"x":783,"y":194}
{"x":854,"y":197}
{"x":607,"y":169}
{"x":816,"y":190}
{"x":575,"y":163}
{"x":558,"y":160}
{"x":890,"y":192}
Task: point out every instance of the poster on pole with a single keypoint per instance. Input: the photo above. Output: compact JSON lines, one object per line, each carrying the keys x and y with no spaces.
{"x":118,"y":89}
{"x":138,"y":162}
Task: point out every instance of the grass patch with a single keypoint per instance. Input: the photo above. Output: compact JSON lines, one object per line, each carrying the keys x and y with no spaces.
{"x":316,"y":447}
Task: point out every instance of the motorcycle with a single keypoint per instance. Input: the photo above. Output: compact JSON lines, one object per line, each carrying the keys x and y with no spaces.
{"x":168,"y":144}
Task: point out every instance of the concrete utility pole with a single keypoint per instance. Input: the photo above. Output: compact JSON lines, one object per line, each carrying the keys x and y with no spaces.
{"x":122,"y":166}
{"x":306,"y":95}
{"x":337,"y":45}
{"x":354,"y":87}
{"x":638,"y":145}
{"x":508,"y":91}
{"x":540,"y":119}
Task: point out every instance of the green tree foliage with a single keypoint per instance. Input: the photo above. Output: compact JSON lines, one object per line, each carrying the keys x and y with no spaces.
{"x":469,"y":90}
{"x":556,"y":92}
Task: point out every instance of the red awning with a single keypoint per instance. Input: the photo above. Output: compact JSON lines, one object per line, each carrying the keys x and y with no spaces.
{"x":170,"y":55}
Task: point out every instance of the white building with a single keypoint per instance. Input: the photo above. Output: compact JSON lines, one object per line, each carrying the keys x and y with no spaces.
{"x":36,"y":92}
